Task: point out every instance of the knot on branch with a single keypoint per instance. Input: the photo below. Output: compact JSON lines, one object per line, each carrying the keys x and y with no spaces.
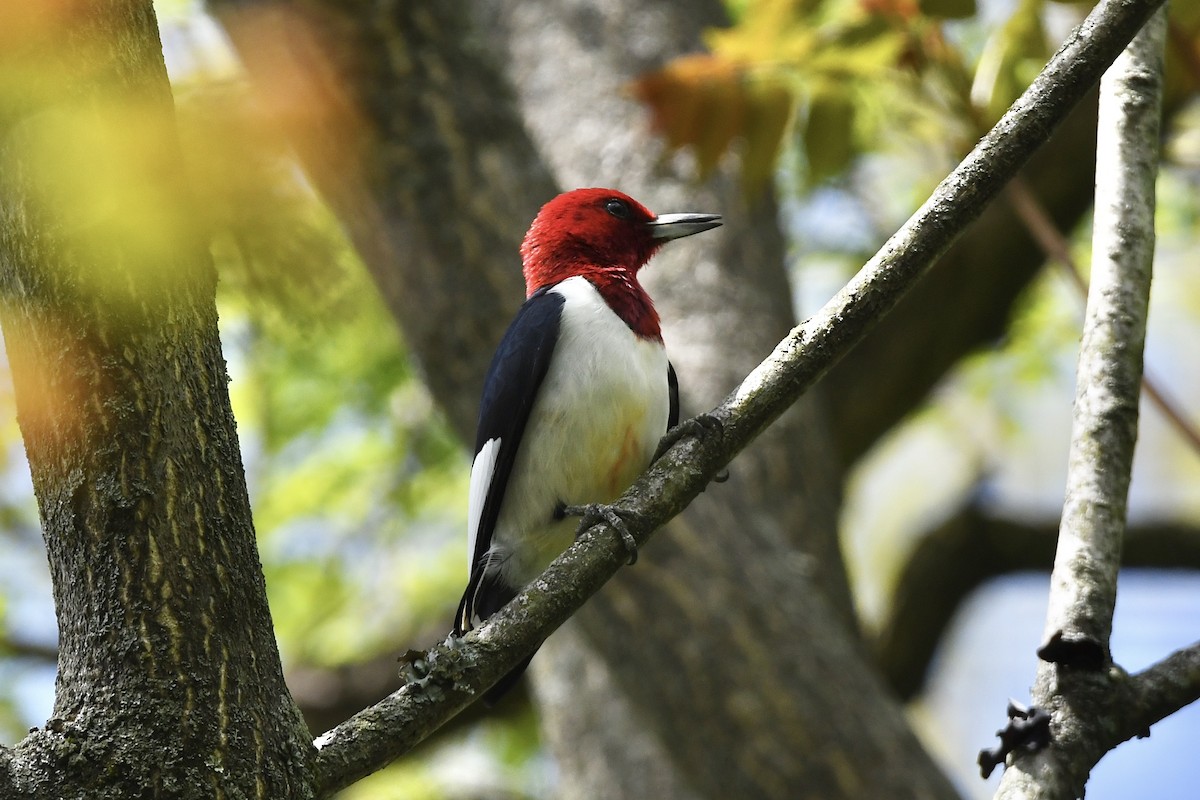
{"x":1027,"y":729}
{"x":1074,"y":652}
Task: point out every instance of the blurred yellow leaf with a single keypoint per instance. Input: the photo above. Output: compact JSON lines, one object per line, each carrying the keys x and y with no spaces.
{"x":948,"y":9}
{"x":695,"y":101}
{"x":829,"y":132}
{"x":769,"y":30}
{"x":705,"y":102}
{"x":825,"y":55}
{"x":768,"y":112}
{"x":1011,"y":58}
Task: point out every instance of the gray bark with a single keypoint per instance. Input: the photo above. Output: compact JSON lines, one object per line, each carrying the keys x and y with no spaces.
{"x":169,"y":682}
{"x":1081,"y":688}
{"x":404,"y":124}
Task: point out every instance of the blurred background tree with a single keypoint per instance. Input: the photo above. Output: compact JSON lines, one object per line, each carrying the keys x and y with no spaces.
{"x":367,"y":172}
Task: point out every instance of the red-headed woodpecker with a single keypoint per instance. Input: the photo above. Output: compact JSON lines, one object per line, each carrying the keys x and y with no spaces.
{"x":577,"y":396}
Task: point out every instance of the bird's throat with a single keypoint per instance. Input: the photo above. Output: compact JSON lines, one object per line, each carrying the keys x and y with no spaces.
{"x":628,"y":300}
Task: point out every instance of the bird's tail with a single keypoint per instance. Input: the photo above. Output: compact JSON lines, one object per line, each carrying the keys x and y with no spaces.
{"x":502,"y":687}
{"x":485,"y":595}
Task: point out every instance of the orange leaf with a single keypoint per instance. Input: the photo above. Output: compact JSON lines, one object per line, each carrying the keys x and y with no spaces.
{"x":768,"y":112}
{"x":697,"y":101}
{"x":705,"y":102}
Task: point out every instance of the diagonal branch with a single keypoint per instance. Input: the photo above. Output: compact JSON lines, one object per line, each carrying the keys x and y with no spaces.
{"x":21,"y":648}
{"x":452,"y":673}
{"x":1083,"y":589}
{"x":1055,"y":246}
{"x":1160,"y":690}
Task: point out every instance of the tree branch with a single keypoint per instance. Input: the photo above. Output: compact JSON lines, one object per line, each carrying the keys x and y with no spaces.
{"x":328,"y":696}
{"x":1161,"y":690}
{"x":454,"y":672}
{"x":1083,"y":589}
{"x":1055,"y":246}
{"x":973,"y":547}
{"x":19,"y":648}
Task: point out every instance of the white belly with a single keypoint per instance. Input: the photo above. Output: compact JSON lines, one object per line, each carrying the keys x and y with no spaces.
{"x":599,"y":416}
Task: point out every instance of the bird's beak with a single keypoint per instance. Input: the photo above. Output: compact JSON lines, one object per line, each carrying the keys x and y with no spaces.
{"x":676,"y":226}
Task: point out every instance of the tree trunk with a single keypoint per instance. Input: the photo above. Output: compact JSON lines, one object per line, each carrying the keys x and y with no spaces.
{"x":733,"y":635}
{"x":169,"y":682}
{"x":406,"y":128}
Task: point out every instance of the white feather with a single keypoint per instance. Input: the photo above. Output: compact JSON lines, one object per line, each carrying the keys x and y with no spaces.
{"x":483,"y":468}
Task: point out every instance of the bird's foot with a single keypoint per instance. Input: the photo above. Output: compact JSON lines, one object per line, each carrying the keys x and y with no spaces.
{"x":591,"y":513}
{"x":694,"y":426}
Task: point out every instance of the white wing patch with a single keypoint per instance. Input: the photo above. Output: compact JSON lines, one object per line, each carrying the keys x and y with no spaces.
{"x":483,"y":469}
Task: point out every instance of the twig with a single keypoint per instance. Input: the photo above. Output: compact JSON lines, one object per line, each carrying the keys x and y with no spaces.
{"x":452,"y":675}
{"x":1163,"y":689}
{"x":1185,"y":49}
{"x":1054,"y":244}
{"x":19,"y":648}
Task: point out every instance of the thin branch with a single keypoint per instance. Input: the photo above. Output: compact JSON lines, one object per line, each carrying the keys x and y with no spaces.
{"x":1083,"y":590}
{"x":19,"y":648}
{"x":972,"y":547}
{"x":328,"y":696}
{"x":1054,"y":244}
{"x":1163,"y":689}
{"x":453,"y":673}
{"x":1084,"y":587}
{"x":1182,"y":44}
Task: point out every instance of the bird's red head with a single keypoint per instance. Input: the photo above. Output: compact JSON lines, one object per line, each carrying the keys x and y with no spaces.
{"x":587,"y":231}
{"x":605,"y":236}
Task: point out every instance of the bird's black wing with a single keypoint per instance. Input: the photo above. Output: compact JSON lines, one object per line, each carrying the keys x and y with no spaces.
{"x":673,"y":392}
{"x":513,"y":379}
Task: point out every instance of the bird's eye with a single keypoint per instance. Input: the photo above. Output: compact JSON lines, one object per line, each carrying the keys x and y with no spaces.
{"x":618,"y":208}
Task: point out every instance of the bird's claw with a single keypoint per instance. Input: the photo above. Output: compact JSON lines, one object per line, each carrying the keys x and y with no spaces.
{"x":693,"y":426}
{"x":591,"y":513}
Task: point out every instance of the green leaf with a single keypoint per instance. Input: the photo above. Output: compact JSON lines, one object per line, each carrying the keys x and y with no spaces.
{"x":768,"y":111}
{"x":1010,"y":60}
{"x":829,"y":132}
{"x":948,"y":9}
